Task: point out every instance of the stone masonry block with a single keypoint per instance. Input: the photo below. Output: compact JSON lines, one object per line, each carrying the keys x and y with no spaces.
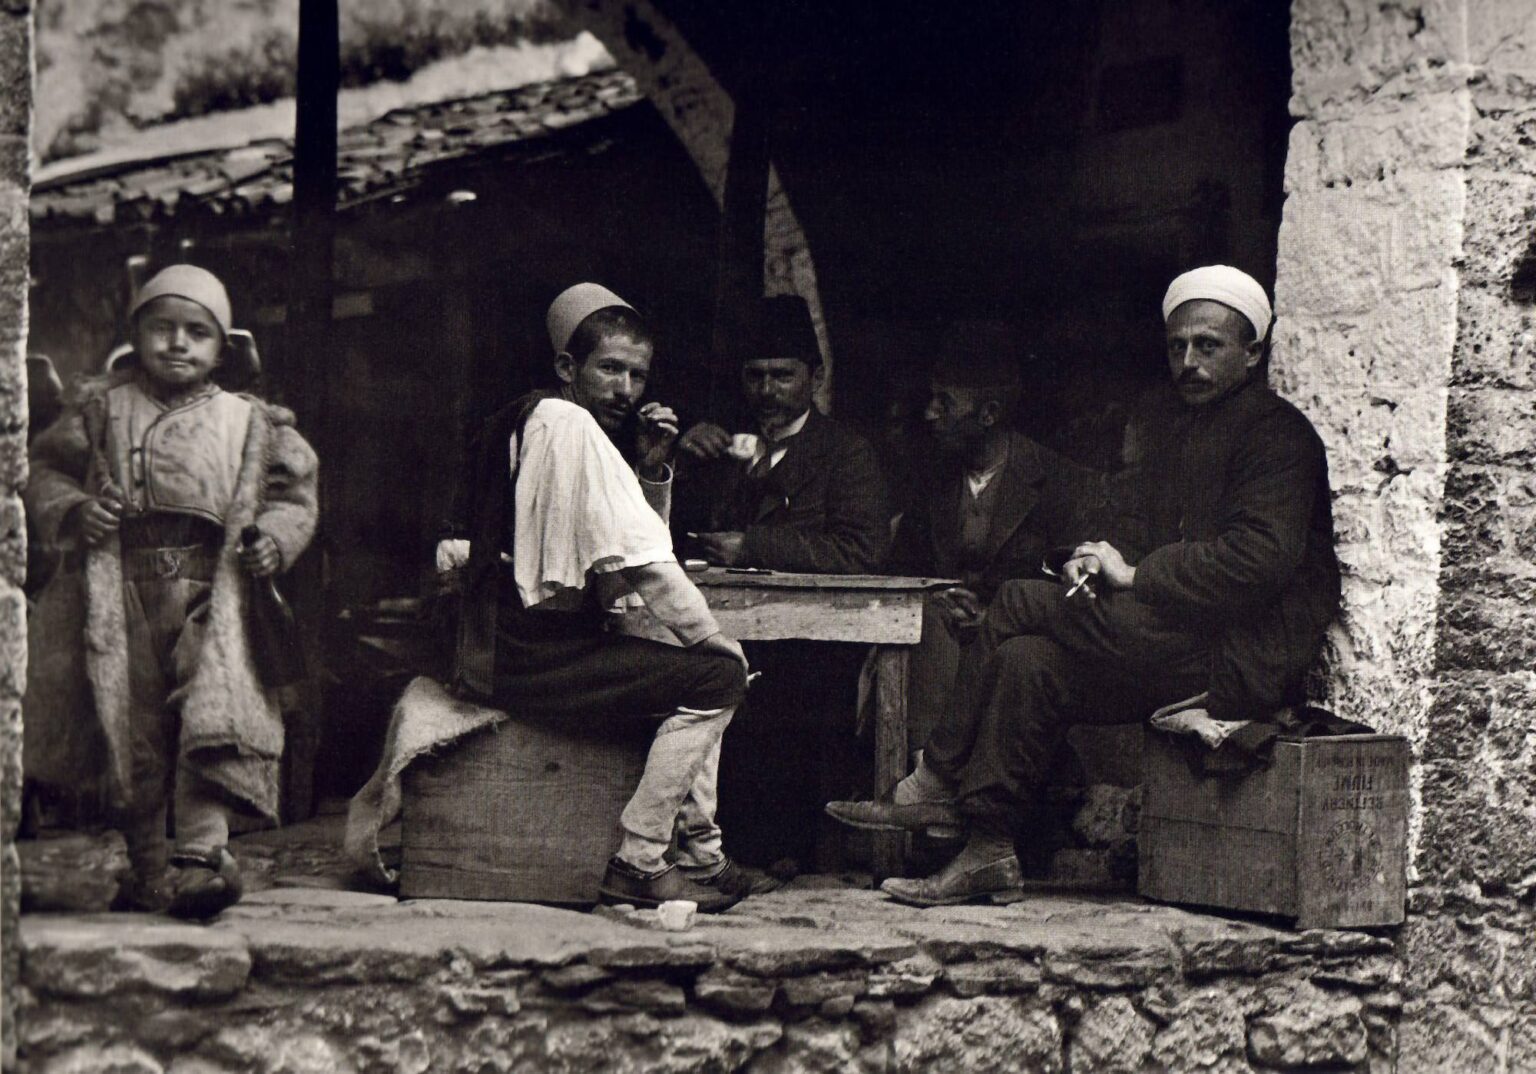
{"x":1344,"y":51}
{"x":15,"y":74}
{"x":64,"y":958}
{"x":1379,"y":141}
{"x":1398,"y":345}
{"x":1491,"y":425}
{"x":1376,"y":434}
{"x":1486,"y":628}
{"x":1479,"y":817}
{"x":1439,"y":1037}
{"x":1489,"y":522}
{"x":1353,"y":251}
{"x":986,"y":1033}
{"x":10,"y":770}
{"x":1389,"y":532}
{"x":1500,"y":228}
{"x":1495,"y":340}
{"x":1503,"y":129}
{"x":1388,"y":624}
{"x":1309,"y":1028}
{"x":1501,"y":36}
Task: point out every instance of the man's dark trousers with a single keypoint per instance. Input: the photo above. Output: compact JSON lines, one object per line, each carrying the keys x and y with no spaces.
{"x":1039,"y":663}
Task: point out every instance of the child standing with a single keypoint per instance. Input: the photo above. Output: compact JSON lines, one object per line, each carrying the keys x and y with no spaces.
{"x":142,"y":676}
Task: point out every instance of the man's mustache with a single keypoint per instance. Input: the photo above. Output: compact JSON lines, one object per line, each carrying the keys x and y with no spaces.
{"x":1191,"y":377}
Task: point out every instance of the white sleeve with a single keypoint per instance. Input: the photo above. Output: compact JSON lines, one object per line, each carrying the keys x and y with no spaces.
{"x":579,"y":506}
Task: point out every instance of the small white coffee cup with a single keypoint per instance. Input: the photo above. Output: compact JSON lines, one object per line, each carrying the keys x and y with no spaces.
{"x":743,"y":447}
{"x":677,"y":914}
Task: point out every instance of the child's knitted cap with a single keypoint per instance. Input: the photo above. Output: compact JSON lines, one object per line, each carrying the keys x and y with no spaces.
{"x":189,"y":282}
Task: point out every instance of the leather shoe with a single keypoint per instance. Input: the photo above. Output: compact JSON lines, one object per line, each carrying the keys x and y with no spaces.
{"x":623,"y":884}
{"x":938,"y":820}
{"x":966,"y":878}
{"x":204,"y":885}
{"x":740,"y":881}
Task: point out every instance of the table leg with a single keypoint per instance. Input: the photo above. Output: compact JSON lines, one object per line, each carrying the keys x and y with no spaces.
{"x":890,"y":747}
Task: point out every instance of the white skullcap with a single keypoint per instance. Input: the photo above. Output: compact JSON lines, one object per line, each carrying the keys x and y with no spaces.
{"x":1227,"y":285}
{"x":574,"y":305}
{"x":189,"y":282}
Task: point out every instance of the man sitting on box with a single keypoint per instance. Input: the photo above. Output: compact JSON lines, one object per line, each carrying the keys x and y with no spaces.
{"x":1232,"y":601}
{"x":556,"y":534}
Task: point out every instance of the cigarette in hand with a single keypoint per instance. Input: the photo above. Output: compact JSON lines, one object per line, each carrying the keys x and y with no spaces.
{"x":1078,"y":585}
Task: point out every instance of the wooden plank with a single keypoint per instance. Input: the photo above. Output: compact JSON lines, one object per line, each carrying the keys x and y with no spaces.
{"x":1263,"y":799}
{"x":744,"y":579}
{"x":880,"y":617}
{"x":524,"y":812}
{"x":1352,"y":835}
{"x":1187,"y":861}
{"x":890,"y":747}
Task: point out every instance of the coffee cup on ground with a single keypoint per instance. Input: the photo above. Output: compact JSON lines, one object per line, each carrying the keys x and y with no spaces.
{"x":677,"y":914}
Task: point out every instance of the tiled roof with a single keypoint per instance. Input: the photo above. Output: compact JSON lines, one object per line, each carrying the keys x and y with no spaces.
{"x":393,"y":152}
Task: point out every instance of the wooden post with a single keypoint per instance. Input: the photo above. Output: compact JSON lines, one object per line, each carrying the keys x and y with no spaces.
{"x":303,"y":379}
{"x":744,"y":207}
{"x":890,"y":746}
{"x":314,"y":214}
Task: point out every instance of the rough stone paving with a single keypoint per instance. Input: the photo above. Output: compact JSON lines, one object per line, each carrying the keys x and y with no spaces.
{"x":821,"y":976}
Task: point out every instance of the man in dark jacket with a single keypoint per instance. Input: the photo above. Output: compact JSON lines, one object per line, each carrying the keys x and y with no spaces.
{"x":987,"y":507}
{"x":1232,"y":601}
{"x":801,"y":491}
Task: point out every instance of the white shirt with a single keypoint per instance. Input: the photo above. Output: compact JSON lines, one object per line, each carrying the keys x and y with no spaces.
{"x":774,"y":446}
{"x":978,"y":482}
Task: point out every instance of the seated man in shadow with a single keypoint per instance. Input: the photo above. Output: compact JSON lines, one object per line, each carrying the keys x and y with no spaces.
{"x":798,"y":492}
{"x":1227,"y":611}
{"x":988,"y":506}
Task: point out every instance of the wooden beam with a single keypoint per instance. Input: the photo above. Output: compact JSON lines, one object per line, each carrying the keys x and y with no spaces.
{"x":739,"y":279}
{"x":314,"y":212}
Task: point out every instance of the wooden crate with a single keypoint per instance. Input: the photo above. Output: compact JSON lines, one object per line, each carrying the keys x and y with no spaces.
{"x":1320,"y":835}
{"x":522,"y":812}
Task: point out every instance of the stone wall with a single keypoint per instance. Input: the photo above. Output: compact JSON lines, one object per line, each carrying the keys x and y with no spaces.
{"x":1406,"y":294}
{"x":15,"y":125}
{"x":299,"y":980}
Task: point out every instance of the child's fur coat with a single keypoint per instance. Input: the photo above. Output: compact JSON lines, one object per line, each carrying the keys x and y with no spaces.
{"x":76,"y":703}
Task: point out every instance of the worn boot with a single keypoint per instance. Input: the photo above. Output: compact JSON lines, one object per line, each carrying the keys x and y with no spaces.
{"x":987,"y":866}
{"x":733,"y":879}
{"x":623,"y":883}
{"x":204,"y":883}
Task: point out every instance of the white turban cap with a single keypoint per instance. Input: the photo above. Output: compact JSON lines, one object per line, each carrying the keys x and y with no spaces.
{"x":189,"y":282}
{"x":574,"y":305}
{"x":1227,"y":285}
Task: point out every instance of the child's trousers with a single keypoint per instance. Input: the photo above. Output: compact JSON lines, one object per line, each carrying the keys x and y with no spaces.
{"x":166,"y":595}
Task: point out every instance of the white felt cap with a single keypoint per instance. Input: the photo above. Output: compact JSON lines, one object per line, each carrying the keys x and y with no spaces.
{"x":574,"y":305}
{"x":1229,"y":286}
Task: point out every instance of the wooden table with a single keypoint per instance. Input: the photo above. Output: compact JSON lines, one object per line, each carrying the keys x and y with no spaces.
{"x":879,"y":610}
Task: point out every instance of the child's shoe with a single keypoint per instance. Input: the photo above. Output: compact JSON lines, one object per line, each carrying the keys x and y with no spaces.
{"x":141,"y":894}
{"x":203,"y":884}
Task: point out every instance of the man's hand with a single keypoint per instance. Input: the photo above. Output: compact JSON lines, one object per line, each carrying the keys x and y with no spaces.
{"x":705,"y":441}
{"x":260,"y":557}
{"x":657,"y":434}
{"x":724,"y":646}
{"x":960,"y":606}
{"x":723,"y":548}
{"x":1103,"y":559}
{"x":98,"y":519}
